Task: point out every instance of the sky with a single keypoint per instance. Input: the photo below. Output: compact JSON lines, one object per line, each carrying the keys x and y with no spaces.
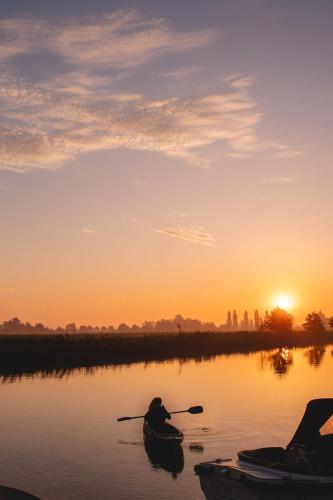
{"x":164,"y":157}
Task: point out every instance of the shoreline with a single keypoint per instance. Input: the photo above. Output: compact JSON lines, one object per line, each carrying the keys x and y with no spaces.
{"x":31,"y":353}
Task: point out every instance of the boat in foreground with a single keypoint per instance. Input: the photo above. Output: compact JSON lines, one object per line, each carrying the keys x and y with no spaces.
{"x":302,"y":471}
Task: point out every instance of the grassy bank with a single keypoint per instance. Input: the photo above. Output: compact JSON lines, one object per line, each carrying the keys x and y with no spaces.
{"x":21,"y":354}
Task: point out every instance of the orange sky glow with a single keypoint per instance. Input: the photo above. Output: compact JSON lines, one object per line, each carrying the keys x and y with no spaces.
{"x":187,"y":172}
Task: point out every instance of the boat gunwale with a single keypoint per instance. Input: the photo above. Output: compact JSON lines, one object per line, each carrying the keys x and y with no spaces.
{"x":149,"y":433}
{"x":278,"y":476}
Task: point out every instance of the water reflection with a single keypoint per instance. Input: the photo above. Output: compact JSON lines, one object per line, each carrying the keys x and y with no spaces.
{"x":9,"y":376}
{"x":280,"y":361}
{"x":94,"y":457}
{"x":196,"y":448}
{"x":315,"y":355}
{"x":167,"y":456}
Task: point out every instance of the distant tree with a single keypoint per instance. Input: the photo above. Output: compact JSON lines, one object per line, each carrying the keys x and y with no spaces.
{"x":278,"y":320}
{"x":256,"y":320}
{"x":234,"y":320}
{"x":163,"y":325}
{"x":209,"y":326}
{"x":314,"y":322}
{"x":71,"y":328}
{"x":39,"y":327}
{"x":229,"y":321}
{"x":179,"y":323}
{"x":13,"y":325}
{"x":147,"y":326}
{"x":246,"y":322}
{"x":194,"y":325}
{"x":330,"y":322}
{"x":123,"y":328}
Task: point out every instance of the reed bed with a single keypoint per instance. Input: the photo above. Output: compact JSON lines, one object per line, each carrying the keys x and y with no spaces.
{"x":37,"y":352}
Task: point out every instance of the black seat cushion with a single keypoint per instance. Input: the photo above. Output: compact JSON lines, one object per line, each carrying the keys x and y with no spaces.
{"x":263,"y":455}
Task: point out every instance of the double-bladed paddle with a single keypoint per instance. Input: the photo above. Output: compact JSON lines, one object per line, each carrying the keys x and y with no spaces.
{"x":193,"y":410}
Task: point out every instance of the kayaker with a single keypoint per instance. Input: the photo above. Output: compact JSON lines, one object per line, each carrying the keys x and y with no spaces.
{"x":157,"y":414}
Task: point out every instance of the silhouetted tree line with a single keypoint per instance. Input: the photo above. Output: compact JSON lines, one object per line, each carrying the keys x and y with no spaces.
{"x":278,"y":320}
{"x":176,"y":325}
{"x":15,"y":326}
{"x":28,"y":354}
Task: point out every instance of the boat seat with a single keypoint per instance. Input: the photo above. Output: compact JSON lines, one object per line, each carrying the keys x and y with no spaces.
{"x":295,"y":459}
{"x":263,"y":455}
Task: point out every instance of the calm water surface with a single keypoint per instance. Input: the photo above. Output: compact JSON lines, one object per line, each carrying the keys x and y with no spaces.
{"x":59,"y":438}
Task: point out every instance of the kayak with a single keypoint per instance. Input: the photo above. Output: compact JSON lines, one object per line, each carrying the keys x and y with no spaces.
{"x":166,"y":434}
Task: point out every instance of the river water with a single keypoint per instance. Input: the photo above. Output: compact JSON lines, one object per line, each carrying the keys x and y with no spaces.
{"x":59,"y":438}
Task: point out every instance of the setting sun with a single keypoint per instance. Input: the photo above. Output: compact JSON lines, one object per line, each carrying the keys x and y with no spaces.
{"x":284,"y":301}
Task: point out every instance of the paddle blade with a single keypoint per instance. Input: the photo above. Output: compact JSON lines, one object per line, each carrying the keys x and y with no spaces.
{"x":121,"y":419}
{"x":195,"y":409}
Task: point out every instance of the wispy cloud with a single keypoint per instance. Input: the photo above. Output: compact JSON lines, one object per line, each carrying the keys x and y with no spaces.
{"x":241,"y":82}
{"x":182,"y":73}
{"x":78,"y":111}
{"x":43,"y":127}
{"x":277,"y":180}
{"x":289,"y":153}
{"x":88,"y":231}
{"x":176,"y":217}
{"x":284,"y":151}
{"x":193,"y":234}
{"x":7,"y":290}
{"x":122,"y":39}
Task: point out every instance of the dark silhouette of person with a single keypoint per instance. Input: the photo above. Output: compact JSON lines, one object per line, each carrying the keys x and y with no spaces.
{"x":156,"y":415}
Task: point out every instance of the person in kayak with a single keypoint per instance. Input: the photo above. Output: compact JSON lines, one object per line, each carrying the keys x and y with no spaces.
{"x":156,"y":415}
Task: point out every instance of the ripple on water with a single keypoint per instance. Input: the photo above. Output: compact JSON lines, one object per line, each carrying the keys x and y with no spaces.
{"x":207,"y":434}
{"x":133,"y":443}
{"x":196,"y":447}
